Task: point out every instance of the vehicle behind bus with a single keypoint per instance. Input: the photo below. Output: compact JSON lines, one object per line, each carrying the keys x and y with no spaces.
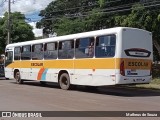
{"x":2,"y":66}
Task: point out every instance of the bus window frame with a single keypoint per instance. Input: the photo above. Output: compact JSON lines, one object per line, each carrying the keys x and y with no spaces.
{"x":70,"y":49}
{"x":86,"y":48}
{"x":56,"y":50}
{"x":106,"y":46}
{"x":33,"y":50}
{"x":22,"y":50}
{"x":19,"y":53}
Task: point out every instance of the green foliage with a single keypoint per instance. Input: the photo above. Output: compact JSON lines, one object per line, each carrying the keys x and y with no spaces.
{"x":60,"y":16}
{"x":156,"y":71}
{"x":67,"y":26}
{"x":158,"y":18}
{"x":101,"y":3}
{"x":143,"y":18}
{"x":20,"y":30}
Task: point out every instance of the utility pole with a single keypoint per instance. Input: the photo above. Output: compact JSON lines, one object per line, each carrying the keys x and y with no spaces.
{"x":9,"y":22}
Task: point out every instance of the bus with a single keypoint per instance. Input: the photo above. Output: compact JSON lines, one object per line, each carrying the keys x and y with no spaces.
{"x":120,"y":55}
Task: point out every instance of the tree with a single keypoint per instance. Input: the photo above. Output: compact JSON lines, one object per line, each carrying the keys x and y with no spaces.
{"x":143,"y":18}
{"x":20,"y":30}
{"x":73,"y":16}
{"x":66,"y":13}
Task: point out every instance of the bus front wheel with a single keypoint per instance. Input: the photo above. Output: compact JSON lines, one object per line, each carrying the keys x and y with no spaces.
{"x":18,"y":78}
{"x":64,"y":81}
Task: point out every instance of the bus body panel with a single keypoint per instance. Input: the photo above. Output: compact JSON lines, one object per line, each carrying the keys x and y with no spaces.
{"x":93,"y":71}
{"x":137,"y":56}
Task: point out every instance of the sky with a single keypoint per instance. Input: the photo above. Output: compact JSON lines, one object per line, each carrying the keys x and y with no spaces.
{"x":30,"y":8}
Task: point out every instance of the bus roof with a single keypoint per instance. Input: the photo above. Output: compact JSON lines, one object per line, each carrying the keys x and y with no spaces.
{"x":74,"y":36}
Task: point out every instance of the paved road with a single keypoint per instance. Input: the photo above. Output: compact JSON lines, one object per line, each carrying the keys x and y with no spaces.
{"x":32,"y":96}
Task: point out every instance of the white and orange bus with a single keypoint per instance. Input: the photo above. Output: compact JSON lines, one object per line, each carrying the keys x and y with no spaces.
{"x":120,"y":55}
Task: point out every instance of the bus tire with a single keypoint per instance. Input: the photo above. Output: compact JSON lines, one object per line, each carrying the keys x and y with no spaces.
{"x":64,"y":81}
{"x":18,"y":78}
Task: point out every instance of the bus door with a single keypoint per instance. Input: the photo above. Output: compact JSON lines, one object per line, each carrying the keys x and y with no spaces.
{"x":8,"y":63}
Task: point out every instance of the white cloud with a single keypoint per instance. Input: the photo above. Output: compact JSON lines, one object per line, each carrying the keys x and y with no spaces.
{"x":26,"y":6}
{"x":37,"y":32}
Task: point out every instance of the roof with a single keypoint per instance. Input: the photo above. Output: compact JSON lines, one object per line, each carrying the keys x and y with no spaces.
{"x":73,"y":36}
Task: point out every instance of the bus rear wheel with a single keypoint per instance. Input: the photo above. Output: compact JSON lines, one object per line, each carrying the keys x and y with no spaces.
{"x":18,"y":78}
{"x":64,"y":81}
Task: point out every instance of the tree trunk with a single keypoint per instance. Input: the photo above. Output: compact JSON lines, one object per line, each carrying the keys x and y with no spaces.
{"x":155,"y":43}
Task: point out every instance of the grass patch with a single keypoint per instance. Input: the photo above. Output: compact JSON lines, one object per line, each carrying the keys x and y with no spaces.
{"x":155,"y":81}
{"x":154,"y":84}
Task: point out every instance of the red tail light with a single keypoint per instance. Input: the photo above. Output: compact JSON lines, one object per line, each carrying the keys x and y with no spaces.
{"x":122,"y":70}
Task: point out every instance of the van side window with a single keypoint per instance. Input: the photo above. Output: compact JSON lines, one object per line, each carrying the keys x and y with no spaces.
{"x":37,"y":52}
{"x":17,"y":53}
{"x":50,"y":51}
{"x":66,"y":49}
{"x":85,"y":47}
{"x":8,"y":56}
{"x":105,"y":46}
{"x":26,"y":52}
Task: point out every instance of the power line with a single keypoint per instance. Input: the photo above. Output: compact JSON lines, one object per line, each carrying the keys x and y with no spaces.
{"x":121,"y":8}
{"x":101,"y":26}
{"x":103,"y":12}
{"x":108,"y":2}
{"x":90,"y":4}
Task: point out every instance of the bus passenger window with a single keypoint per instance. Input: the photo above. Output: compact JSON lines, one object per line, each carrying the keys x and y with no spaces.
{"x":26,"y":52}
{"x":17,"y":53}
{"x":37,"y":52}
{"x":50,"y":51}
{"x":85,"y":47}
{"x":105,"y":46}
{"x":66,"y":49}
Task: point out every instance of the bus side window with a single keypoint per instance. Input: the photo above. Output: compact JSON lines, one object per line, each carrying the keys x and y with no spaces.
{"x":26,"y":52}
{"x":50,"y":50}
{"x":66,"y":49}
{"x":17,"y":53}
{"x":37,"y":52}
{"x":85,"y":47}
{"x":105,"y":46}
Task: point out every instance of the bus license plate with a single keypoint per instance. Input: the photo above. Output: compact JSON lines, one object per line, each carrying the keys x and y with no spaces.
{"x":138,"y":80}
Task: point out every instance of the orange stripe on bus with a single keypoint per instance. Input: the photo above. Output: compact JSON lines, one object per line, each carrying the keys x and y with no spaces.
{"x":104,"y":63}
{"x":40,"y":73}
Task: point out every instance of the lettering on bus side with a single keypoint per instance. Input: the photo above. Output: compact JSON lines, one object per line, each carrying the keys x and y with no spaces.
{"x":145,"y":64}
{"x":36,"y":64}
